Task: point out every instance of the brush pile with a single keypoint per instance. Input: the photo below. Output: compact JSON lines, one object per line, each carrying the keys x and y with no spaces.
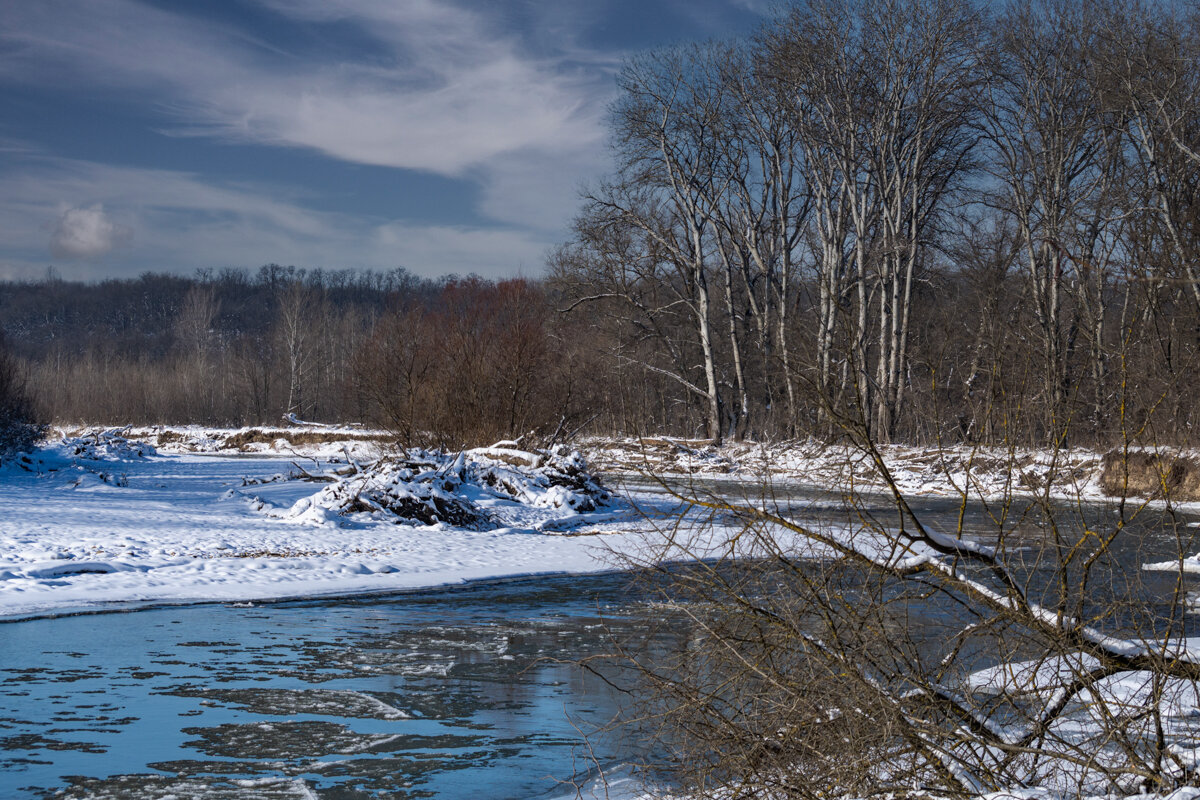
{"x":481,"y":489}
{"x":106,"y":444}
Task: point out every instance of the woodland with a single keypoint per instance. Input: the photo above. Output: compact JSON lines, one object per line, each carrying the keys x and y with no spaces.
{"x":946,"y":221}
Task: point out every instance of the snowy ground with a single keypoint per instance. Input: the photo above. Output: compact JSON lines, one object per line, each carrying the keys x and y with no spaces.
{"x":213,"y":516}
{"x":118,"y":526}
{"x":981,"y":472}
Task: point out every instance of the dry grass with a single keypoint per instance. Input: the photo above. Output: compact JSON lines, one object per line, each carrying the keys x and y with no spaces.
{"x":1149,"y":474}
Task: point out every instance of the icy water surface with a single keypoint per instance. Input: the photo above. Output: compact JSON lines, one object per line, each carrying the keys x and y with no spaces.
{"x":454,"y":693}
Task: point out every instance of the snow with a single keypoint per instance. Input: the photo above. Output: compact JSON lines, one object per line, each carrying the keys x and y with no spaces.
{"x":983,"y":473}
{"x":118,"y":525}
{"x":1036,"y":676}
{"x":184,"y":528}
{"x":219,"y":515}
{"x":1190,"y":565}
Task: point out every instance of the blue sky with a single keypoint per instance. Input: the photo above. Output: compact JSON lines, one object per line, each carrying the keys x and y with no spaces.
{"x":172,"y":135}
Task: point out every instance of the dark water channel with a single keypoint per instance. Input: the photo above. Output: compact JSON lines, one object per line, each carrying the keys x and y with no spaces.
{"x":453,"y":693}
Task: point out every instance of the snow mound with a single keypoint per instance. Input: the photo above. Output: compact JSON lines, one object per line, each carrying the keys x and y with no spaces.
{"x":109,"y":444}
{"x":400,"y":490}
{"x":481,"y":489}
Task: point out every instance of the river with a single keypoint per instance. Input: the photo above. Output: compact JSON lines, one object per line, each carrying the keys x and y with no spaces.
{"x":453,"y":693}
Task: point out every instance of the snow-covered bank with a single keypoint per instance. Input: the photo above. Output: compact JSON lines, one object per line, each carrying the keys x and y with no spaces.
{"x":324,"y":441}
{"x":982,"y":472}
{"x":100,"y":528}
{"x":232,"y":515}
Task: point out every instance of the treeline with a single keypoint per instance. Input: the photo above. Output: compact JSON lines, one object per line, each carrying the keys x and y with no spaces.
{"x":219,"y":348}
{"x":241,"y":348}
{"x":937,"y":217}
{"x":441,"y":362}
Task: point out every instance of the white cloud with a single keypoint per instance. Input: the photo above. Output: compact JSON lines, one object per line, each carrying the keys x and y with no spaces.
{"x":437,"y":87}
{"x":538,"y":190}
{"x":86,"y":233}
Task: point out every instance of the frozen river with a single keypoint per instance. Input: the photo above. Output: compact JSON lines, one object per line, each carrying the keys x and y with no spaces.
{"x":455,"y":693}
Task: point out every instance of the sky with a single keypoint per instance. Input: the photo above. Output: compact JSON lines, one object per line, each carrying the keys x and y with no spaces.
{"x":442,"y":136}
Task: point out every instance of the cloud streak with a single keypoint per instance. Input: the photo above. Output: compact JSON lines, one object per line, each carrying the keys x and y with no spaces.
{"x":443,"y":92}
{"x":503,"y":97}
{"x":129,"y":220}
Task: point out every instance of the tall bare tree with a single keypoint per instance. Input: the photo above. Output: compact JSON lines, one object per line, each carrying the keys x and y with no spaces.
{"x":670,"y":134}
{"x":1053,"y":149}
{"x":761,"y":222}
{"x":294,"y":326}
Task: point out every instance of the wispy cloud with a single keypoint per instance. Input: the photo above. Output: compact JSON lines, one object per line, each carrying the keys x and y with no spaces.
{"x":442,"y":88}
{"x":129,"y":220}
{"x":443,"y":91}
{"x":500,"y":95}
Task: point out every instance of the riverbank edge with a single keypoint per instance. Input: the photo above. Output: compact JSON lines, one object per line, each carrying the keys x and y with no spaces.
{"x":468,"y":584}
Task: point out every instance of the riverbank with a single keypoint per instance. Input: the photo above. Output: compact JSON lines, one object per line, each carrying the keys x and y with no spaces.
{"x":981,"y":472}
{"x":219,"y":515}
{"x":123,"y":526}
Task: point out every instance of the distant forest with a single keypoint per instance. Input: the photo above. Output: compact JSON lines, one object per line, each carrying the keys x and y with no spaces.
{"x":437,"y":361}
{"x":923,"y":220}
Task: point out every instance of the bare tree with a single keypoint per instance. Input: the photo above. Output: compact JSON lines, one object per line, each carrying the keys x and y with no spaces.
{"x":1054,"y":150}
{"x":670,"y":135}
{"x":885,"y":99}
{"x":196,"y":339}
{"x":1150,"y":71}
{"x":393,"y":370}
{"x":760,"y":223}
{"x":296,"y":306}
{"x":1013,"y":643}
{"x":926,"y":75}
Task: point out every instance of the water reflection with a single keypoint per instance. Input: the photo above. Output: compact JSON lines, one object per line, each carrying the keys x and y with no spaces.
{"x":460,"y":693}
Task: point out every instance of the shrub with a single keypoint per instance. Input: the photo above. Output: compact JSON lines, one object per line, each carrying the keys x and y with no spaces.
{"x":20,"y":425}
